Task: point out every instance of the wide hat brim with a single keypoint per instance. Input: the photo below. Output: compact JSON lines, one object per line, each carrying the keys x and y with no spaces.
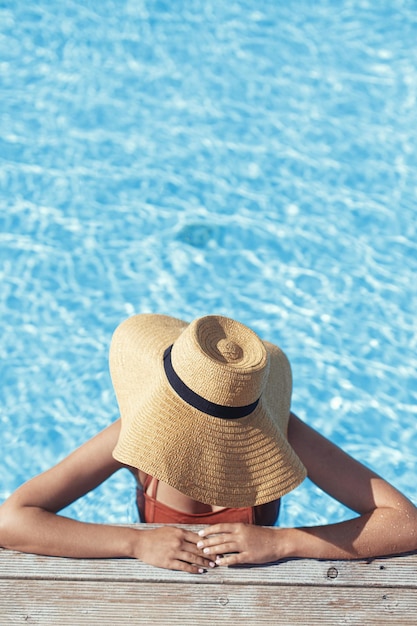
{"x":223,"y":462}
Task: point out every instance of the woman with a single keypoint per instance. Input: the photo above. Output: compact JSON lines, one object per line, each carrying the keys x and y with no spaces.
{"x":206,"y":429}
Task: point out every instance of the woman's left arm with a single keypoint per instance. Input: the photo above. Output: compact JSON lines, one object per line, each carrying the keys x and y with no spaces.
{"x":387,"y":521}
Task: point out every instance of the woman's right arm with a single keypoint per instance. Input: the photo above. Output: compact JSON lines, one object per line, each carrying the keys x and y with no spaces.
{"x":29,"y":520}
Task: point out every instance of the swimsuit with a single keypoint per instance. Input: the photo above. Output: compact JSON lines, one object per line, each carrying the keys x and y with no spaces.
{"x":153,"y":511}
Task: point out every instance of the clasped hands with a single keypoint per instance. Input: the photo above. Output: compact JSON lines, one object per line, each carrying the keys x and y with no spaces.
{"x":220,"y":544}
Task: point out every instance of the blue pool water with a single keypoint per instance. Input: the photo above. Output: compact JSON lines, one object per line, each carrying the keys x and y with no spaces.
{"x":251,"y":159}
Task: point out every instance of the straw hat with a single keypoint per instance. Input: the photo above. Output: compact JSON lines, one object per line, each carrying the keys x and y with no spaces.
{"x":204,"y":407}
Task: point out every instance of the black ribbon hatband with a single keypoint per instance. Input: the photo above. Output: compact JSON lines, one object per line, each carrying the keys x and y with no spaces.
{"x":198,"y":402}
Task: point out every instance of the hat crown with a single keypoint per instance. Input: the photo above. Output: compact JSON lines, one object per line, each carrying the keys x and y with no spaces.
{"x":221,"y":360}
{"x":231,"y":462}
{"x":230,"y":350}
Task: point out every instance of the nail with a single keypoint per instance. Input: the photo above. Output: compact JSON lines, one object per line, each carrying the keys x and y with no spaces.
{"x":206,"y":550}
{"x":200,"y":544}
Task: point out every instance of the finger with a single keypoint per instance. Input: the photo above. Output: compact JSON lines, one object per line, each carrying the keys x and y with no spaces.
{"x":216,"y":529}
{"x":191,"y":568}
{"x":196,"y":558}
{"x":230,"y":560}
{"x":224,"y":547}
{"x":213,"y":541}
{"x":197,"y":553}
{"x":206,"y":560}
{"x":191,"y":537}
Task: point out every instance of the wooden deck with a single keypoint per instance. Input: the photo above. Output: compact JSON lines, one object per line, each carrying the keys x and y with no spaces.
{"x":57,"y":591}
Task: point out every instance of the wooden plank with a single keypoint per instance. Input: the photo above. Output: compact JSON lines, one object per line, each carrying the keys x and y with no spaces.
{"x":47,"y":590}
{"x":387,"y":572}
{"x":89,"y":602}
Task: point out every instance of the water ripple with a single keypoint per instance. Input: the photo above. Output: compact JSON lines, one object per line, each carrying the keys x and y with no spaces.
{"x":256,"y":162}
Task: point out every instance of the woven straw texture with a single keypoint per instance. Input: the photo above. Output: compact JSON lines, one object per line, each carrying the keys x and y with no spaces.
{"x":223,"y":462}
